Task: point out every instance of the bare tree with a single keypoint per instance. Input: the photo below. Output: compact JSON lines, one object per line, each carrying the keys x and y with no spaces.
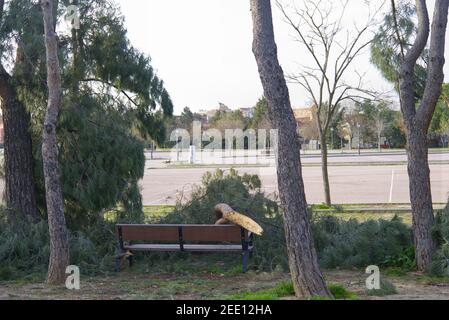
{"x":309,"y":130}
{"x":417,"y":118}
{"x":320,"y":34}
{"x":306,"y":275}
{"x":350,"y":124}
{"x":59,"y":248}
{"x":382,"y":118}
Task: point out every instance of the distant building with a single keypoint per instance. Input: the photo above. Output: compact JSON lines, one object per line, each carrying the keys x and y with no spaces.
{"x":209,"y":114}
{"x":247,"y":112}
{"x":223,"y":108}
{"x":305,"y":115}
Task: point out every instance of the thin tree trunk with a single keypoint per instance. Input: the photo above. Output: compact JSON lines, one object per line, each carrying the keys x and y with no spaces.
{"x":307,"y":278}
{"x":325,"y":170}
{"x":20,"y":196}
{"x":59,"y":248}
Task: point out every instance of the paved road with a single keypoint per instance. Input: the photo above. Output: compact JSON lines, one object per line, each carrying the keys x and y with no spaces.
{"x":349,"y":184}
{"x":313,"y":157}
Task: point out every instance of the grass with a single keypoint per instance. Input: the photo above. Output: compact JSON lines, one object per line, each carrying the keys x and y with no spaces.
{"x":432,"y":279}
{"x":341,"y":293}
{"x":386,"y":289}
{"x":281,"y":290}
{"x":395,"y":272}
{"x":365,"y":216}
{"x":157,"y":211}
{"x":285,"y":289}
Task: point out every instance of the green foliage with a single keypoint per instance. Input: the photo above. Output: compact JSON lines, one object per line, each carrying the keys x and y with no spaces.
{"x":440,"y":262}
{"x":440,"y":120}
{"x":243,"y":194}
{"x":101,"y":162}
{"x":320,"y":298}
{"x":25,"y":249}
{"x":339,"y":243}
{"x":260,"y":119}
{"x":404,"y":260}
{"x":386,"y":47}
{"x":112,"y":101}
{"x":386,"y":289}
{"x":282,"y":289}
{"x":396,"y":132}
{"x":349,"y":244}
{"x":339,"y":292}
{"x":395,"y":272}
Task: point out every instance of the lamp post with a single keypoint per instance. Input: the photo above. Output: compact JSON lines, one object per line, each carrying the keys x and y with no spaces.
{"x":358,"y":127}
{"x":361,"y":113}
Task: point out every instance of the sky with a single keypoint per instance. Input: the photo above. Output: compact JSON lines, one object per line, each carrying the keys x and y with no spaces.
{"x":202,"y":50}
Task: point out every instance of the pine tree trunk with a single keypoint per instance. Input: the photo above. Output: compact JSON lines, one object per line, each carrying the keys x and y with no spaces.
{"x":20,"y":196}
{"x":420,"y":197}
{"x":325,"y":170}
{"x":417,"y":121}
{"x":307,"y":278}
{"x":59,"y":248}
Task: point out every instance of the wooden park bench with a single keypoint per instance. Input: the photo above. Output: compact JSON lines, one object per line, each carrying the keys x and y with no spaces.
{"x":182,"y":238}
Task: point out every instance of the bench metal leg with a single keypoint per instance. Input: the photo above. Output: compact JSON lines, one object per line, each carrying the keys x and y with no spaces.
{"x":130,"y":261}
{"x":245,"y":261}
{"x":117,"y":264}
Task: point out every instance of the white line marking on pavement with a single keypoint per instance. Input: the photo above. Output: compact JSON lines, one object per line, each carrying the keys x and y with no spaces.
{"x":391,"y":187}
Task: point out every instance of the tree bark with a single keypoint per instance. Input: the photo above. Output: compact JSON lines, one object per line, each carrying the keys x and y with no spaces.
{"x":417,"y":121}
{"x":59,"y":248}
{"x":325,"y":170}
{"x":420,"y":197}
{"x":20,"y":194}
{"x":307,"y":278}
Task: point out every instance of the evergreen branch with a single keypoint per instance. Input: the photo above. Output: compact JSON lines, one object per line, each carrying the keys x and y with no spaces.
{"x":115,"y":87}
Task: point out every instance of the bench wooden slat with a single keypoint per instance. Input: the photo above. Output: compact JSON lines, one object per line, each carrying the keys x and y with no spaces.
{"x":149,"y":232}
{"x":187,"y":247}
{"x":223,"y":233}
{"x":229,"y":233}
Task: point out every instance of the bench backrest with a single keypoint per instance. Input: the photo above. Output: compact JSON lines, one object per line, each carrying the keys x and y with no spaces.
{"x":186,"y":233}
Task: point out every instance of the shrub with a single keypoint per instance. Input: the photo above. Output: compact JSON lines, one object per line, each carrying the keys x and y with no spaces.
{"x":440,"y":261}
{"x":348,"y":244}
{"x":25,"y":248}
{"x":339,"y":243}
{"x":243,"y":194}
{"x":386,"y":289}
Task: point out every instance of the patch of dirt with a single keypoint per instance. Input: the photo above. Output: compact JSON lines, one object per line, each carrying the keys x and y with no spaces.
{"x":143,"y":286}
{"x":413,"y":286}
